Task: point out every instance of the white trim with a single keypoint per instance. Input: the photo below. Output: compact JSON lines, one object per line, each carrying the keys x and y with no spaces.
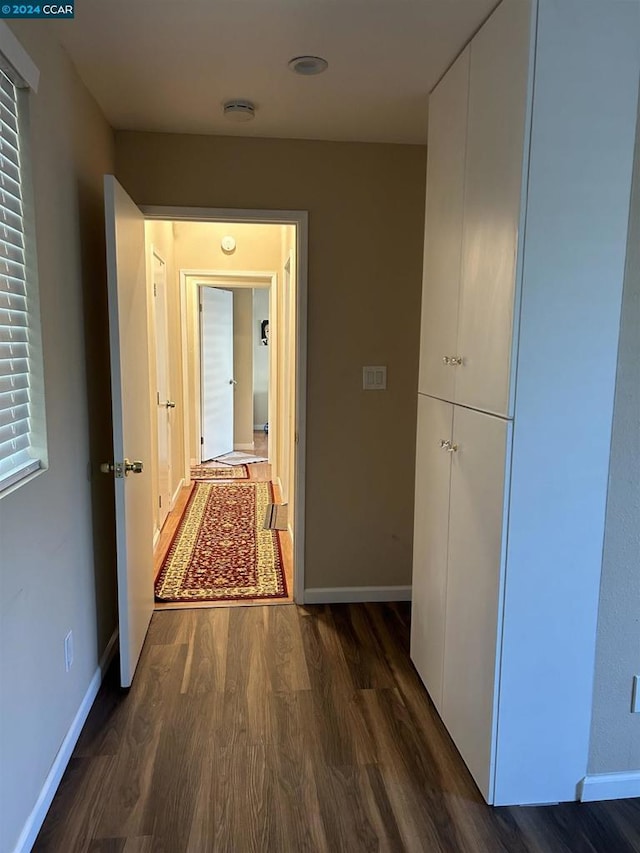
{"x":209,"y":278}
{"x":609,"y":786}
{"x":19,"y":59}
{"x":156,"y":536}
{"x":356,"y":594}
{"x":174,"y":497}
{"x":35,"y":820}
{"x":225,"y":214}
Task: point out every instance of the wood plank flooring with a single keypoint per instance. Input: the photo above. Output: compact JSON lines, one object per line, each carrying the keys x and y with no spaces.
{"x":291,"y":729}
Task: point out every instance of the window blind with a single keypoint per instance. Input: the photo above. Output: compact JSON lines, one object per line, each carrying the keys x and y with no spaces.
{"x":16,"y":460}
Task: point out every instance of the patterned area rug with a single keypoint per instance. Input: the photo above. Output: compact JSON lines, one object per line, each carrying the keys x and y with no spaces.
{"x":221,"y":549}
{"x":220,"y":472}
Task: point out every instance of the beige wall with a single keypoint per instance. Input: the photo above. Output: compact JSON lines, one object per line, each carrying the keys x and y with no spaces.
{"x":198,"y":246}
{"x":260,"y":359}
{"x":57,"y":562}
{"x":365,"y":257}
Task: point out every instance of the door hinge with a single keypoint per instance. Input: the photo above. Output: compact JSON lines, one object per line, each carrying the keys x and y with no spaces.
{"x":201,"y":440}
{"x":160,"y":501}
{"x":158,"y":397}
{"x":155,"y":289}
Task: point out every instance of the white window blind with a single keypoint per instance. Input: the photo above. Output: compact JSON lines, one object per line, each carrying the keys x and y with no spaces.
{"x":16,"y":453}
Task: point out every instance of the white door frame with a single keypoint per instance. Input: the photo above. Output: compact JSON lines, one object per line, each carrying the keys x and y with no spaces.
{"x":211,"y":278}
{"x":299,"y":218}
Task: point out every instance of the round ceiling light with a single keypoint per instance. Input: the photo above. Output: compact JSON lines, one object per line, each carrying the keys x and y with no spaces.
{"x":239,"y":111}
{"x":308,"y":65}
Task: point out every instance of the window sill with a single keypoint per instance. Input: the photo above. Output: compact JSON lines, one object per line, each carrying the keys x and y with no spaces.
{"x":25,"y":475}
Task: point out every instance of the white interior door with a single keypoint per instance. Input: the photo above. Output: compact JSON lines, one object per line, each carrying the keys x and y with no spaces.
{"x":430,"y":542}
{"x":129,"y":345}
{"x":217,"y":382}
{"x":164,"y":405}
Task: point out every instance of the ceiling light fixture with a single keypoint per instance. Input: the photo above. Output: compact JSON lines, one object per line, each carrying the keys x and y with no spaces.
{"x":308,"y":65}
{"x":239,"y":111}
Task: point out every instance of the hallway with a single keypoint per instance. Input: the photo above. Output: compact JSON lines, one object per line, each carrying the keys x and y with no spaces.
{"x":258,"y":472}
{"x":286,"y":729}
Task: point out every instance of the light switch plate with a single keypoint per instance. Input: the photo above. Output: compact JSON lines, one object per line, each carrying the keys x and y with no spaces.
{"x":374,"y":378}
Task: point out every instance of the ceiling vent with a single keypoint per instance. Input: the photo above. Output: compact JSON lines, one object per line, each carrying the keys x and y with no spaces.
{"x":240,"y":111}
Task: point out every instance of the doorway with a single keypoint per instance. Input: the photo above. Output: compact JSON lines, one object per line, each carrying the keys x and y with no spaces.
{"x":270,"y":419}
{"x":133,"y":394}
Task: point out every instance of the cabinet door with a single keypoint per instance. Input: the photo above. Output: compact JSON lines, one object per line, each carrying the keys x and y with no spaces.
{"x":498,"y":109}
{"x":473,"y":588}
{"x":433,"y":470}
{"x":443,"y":229}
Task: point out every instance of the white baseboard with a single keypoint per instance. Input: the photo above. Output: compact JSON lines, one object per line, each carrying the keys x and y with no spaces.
{"x":176,"y":494}
{"x":39,"y":812}
{"x":354,"y":594}
{"x":156,"y":536}
{"x":609,"y":786}
{"x":244,"y":446}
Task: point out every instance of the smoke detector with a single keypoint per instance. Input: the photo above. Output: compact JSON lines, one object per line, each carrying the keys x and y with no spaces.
{"x":307,"y":66}
{"x":239,"y":111}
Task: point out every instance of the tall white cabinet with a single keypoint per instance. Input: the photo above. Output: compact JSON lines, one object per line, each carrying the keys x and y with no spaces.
{"x":531,"y":136}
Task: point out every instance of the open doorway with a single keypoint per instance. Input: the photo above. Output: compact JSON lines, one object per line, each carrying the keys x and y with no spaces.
{"x":233,"y":384}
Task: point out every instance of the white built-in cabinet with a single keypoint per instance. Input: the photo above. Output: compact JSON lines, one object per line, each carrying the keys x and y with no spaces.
{"x":525,"y":243}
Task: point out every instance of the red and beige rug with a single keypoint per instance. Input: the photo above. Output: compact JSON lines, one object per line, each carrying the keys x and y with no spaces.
{"x":220,"y":472}
{"x":221,"y":550}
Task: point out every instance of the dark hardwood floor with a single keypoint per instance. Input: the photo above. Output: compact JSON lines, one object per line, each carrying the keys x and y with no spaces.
{"x":291,"y":729}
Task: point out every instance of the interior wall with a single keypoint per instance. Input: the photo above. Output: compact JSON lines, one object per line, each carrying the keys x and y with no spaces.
{"x":159,"y":235}
{"x":198,"y":247}
{"x":57,"y":553}
{"x":243,"y":368}
{"x":260,"y":359}
{"x":366,"y":206}
{"x":615,"y":731}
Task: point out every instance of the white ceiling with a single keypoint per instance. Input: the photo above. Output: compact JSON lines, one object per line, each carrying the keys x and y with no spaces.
{"x":169,"y":65}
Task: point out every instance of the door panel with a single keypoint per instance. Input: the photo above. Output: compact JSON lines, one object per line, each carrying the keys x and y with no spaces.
{"x":498,"y":91}
{"x":216,"y":344}
{"x":475,"y":555}
{"x":433,"y":469}
{"x":162,"y":390}
{"x":443,"y":229}
{"x":129,"y":344}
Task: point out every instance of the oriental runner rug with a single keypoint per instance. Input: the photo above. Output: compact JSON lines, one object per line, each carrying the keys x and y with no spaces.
{"x":221,"y":550}
{"x":221,"y":472}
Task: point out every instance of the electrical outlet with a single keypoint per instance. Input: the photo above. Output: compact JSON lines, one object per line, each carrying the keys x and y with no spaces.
{"x":68,"y":651}
{"x":635,"y":695}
